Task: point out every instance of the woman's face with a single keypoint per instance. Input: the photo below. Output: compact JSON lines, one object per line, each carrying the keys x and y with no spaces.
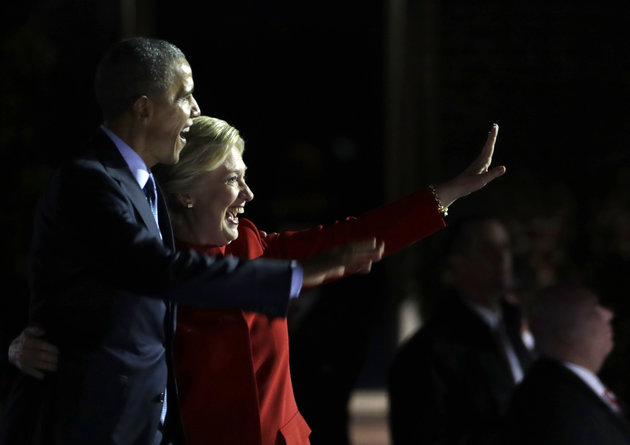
{"x":218,"y":198}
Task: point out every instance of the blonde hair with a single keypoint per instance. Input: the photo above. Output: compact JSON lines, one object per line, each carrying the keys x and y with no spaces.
{"x":209,"y":141}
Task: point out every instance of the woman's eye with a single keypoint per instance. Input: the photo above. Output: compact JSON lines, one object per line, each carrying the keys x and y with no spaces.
{"x":233,"y":179}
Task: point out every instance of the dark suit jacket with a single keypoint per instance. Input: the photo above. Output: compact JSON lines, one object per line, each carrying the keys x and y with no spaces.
{"x":553,"y":406}
{"x":449,"y":384}
{"x":104,"y":286}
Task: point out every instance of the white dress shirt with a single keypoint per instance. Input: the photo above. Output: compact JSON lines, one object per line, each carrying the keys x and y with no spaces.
{"x":494,"y":319}
{"x":593,"y":382}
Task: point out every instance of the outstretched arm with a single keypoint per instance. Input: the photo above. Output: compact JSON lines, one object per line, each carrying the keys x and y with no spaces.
{"x":399,"y":223}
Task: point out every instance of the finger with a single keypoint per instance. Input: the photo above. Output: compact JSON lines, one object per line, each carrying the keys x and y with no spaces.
{"x":489,"y":176}
{"x":335,"y":272}
{"x":363,"y":254}
{"x":46,"y":366}
{"x":374,"y":254}
{"x":381,"y":249}
{"x":378,"y":251}
{"x":37,"y":358}
{"x":38,"y":363}
{"x":365,"y":244}
{"x":495,"y":172}
{"x":362,"y":262}
{"x":34,"y":373}
{"x":484,"y":159}
{"x":41,"y":345}
{"x":488,"y":149}
{"x":374,"y":245}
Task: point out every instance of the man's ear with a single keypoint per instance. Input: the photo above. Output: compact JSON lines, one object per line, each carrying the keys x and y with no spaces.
{"x":142,"y":108}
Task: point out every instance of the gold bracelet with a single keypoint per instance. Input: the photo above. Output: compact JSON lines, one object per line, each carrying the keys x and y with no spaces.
{"x":443,"y":210}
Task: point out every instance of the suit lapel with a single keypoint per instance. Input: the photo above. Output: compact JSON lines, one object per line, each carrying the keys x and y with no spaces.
{"x":474,"y":326}
{"x":165,"y":221}
{"x":119,"y":170}
{"x":169,"y":241}
{"x":512,"y":321}
{"x":615,"y":418}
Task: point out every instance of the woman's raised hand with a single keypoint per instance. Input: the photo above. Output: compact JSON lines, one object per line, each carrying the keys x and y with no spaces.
{"x":475,"y":177}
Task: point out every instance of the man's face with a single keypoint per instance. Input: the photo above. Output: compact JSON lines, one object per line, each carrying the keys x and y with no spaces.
{"x":594,"y":327}
{"x":171,"y":117}
{"x":486,"y":264}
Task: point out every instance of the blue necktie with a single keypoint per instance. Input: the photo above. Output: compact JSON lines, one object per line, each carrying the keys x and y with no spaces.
{"x":151,"y":193}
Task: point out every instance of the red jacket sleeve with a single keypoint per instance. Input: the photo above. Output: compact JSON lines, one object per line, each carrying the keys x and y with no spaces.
{"x":399,"y":224}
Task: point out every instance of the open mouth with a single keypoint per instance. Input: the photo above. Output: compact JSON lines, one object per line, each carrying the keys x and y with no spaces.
{"x":232,"y":214}
{"x":184,"y":133}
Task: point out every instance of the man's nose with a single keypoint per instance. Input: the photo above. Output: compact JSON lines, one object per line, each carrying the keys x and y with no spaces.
{"x":195,"y":111}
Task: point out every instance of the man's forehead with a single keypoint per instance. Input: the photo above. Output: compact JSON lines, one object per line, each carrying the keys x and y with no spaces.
{"x":185,"y":66}
{"x":183,"y":81}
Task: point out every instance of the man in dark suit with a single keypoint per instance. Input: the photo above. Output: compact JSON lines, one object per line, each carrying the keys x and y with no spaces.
{"x":561,"y":401}
{"x":105,"y":275}
{"x":451,"y":382}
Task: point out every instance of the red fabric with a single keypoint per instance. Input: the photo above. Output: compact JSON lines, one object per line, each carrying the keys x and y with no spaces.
{"x":233,"y":366}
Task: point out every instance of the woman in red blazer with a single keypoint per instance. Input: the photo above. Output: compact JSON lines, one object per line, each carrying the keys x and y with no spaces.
{"x":232,"y":366}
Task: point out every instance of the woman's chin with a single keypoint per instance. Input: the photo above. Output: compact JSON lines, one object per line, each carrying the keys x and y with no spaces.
{"x":229,"y":236}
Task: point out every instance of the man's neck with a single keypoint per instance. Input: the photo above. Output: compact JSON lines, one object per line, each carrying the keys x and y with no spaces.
{"x":489,"y":300}
{"x":578,"y":358}
{"x":128,"y":132}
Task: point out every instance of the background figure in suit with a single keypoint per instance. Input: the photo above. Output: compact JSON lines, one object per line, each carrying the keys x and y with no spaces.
{"x":105,"y":275}
{"x":451,"y":382}
{"x":561,"y":401}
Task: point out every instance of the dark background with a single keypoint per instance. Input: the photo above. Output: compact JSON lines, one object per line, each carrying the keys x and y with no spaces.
{"x":345,"y":104}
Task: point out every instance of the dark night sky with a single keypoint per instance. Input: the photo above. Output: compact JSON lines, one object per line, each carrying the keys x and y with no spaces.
{"x":310,"y":75}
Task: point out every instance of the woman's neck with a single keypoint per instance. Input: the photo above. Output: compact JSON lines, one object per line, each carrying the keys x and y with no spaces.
{"x":187,"y":233}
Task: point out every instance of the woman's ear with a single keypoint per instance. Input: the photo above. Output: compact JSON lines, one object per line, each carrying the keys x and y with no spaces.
{"x":185,"y":200}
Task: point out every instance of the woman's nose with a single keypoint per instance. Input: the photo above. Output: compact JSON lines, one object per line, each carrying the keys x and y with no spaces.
{"x":247,"y":193}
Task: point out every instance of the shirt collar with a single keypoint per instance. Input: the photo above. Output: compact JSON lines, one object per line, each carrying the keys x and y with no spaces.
{"x":588,"y":377}
{"x":490,"y":317}
{"x":134,"y":161}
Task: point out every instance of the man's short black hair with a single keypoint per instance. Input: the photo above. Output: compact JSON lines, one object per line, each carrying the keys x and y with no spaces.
{"x":133,"y":68}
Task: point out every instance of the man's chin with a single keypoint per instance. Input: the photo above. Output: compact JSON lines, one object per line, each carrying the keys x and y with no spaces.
{"x":175,"y":158}
{"x":179,"y":146}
